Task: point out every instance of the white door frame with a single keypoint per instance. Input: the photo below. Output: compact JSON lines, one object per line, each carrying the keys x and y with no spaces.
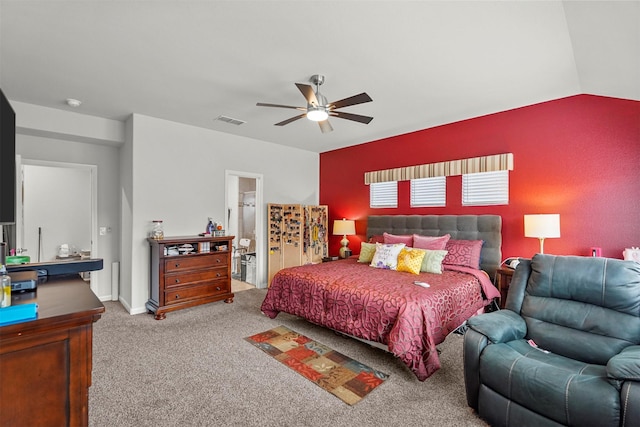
{"x":93,"y":170}
{"x":261,"y":281}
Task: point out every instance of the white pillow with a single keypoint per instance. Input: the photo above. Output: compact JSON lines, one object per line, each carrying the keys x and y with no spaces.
{"x":386,"y":256}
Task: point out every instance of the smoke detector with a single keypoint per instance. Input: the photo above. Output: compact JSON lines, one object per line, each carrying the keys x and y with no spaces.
{"x":73,"y":102}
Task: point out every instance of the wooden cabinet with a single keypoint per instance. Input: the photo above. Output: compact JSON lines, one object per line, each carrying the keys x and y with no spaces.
{"x":298,"y":234}
{"x":188,"y":271}
{"x":46,"y":363}
{"x":503,"y":280}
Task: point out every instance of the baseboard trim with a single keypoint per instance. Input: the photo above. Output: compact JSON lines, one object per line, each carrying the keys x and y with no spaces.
{"x":132,"y":311}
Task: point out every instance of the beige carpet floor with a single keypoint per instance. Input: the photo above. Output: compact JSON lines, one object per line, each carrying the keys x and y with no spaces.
{"x":195,"y":369}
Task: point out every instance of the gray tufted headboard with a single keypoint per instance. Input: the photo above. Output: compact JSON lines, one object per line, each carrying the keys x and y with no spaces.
{"x":462,"y":227}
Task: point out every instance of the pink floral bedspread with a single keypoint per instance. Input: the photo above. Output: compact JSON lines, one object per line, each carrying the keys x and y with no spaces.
{"x":382,"y":305}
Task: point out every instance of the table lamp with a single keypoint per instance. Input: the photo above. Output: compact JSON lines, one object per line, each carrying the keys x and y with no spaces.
{"x":542,"y":226}
{"x":344,"y":227}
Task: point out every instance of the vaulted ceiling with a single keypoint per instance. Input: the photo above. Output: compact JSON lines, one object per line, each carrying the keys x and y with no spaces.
{"x":424,"y":63}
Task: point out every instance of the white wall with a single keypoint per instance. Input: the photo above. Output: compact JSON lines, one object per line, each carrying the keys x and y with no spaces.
{"x":57,"y":210}
{"x":178,"y":176}
{"x":150,"y":168}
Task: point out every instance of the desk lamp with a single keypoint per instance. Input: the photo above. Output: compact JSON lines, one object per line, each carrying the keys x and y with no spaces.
{"x":542,"y":226}
{"x":344,"y":227}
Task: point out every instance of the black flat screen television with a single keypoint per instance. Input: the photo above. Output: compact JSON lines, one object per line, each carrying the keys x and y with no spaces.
{"x":7,"y":161}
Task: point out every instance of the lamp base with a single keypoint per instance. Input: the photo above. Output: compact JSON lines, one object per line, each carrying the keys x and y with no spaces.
{"x":345,"y":252}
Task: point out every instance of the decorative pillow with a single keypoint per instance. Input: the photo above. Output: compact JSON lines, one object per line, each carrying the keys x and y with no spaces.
{"x":410,"y":260}
{"x":432,"y":262}
{"x":367,"y":250}
{"x":394,"y":238}
{"x":386,"y":256}
{"x":378,"y":238}
{"x":432,"y":243}
{"x":463,"y":252}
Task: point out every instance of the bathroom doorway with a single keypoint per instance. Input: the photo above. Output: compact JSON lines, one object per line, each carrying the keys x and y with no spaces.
{"x":57,"y":211}
{"x":245,"y":222}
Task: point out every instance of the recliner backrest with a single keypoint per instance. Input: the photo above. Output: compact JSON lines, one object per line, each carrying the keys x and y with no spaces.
{"x":584,"y":308}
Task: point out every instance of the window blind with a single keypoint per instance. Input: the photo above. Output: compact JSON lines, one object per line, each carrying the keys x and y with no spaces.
{"x":485,"y":188}
{"x":383,"y":195}
{"x":429,"y":191}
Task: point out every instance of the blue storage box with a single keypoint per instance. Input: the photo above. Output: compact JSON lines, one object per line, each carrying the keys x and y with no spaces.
{"x":18,"y":313}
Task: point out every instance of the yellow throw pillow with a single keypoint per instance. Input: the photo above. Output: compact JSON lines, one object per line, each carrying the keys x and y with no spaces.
{"x":367,"y":250}
{"x":410,"y":260}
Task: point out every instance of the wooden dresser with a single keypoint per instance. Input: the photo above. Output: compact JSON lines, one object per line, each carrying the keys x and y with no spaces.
{"x":46,"y":363}
{"x":181,"y":279}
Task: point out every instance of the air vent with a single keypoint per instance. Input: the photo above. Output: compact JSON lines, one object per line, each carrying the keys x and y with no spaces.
{"x":230,"y":120}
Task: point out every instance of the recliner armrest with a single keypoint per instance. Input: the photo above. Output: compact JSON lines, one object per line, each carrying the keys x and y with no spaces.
{"x":499,"y":326}
{"x":625,"y":365}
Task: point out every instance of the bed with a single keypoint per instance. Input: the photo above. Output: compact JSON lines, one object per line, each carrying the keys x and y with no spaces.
{"x":385,"y":306}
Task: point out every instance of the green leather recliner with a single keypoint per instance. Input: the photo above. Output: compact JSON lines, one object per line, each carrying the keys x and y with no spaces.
{"x":564,"y":351}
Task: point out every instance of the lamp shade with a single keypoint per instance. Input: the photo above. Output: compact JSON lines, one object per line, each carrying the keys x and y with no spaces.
{"x":542,"y":225}
{"x":344,"y":227}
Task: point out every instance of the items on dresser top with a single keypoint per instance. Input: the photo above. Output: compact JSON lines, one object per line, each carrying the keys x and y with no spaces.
{"x":23,"y":280}
{"x":188,"y":271}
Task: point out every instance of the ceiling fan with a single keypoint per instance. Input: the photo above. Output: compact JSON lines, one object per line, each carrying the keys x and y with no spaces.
{"x":319,"y":110}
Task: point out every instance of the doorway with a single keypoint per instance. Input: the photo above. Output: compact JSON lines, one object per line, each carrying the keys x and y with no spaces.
{"x":245,"y":222}
{"x":57,"y":212}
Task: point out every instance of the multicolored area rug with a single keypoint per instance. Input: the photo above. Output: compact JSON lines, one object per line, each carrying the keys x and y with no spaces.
{"x":338,"y":374}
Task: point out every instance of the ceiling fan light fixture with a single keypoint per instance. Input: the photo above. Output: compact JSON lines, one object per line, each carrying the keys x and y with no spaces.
{"x":318,"y":109}
{"x":317,"y":114}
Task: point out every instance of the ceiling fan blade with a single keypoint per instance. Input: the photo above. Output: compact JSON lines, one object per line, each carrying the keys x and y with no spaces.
{"x":351,"y":116}
{"x":308,"y":93}
{"x":325,"y":126}
{"x":292,"y":119}
{"x":262,"y":104}
{"x":352,"y":100}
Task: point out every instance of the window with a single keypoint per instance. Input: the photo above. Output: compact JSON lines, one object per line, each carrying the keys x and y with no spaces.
{"x":485,"y":188}
{"x":429,"y":191}
{"x":383,"y":194}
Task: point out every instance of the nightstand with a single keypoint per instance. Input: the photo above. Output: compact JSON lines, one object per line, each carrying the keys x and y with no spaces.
{"x":503,"y":280}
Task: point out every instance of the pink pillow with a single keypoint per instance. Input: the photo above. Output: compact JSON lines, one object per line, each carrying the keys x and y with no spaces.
{"x":463,"y":252}
{"x":407,"y":239}
{"x":431,"y":243}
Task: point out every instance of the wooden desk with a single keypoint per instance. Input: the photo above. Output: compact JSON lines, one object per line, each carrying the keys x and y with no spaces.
{"x":46,"y":363}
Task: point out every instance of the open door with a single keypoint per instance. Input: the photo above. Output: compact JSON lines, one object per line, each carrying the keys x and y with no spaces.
{"x":245,"y":221}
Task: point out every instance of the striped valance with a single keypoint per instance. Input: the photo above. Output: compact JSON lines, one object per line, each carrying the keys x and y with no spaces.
{"x":453,"y":167}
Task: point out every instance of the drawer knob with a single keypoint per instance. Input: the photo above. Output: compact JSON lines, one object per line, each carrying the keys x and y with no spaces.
{"x":217,"y":288}
{"x":177,"y":280}
{"x":177,"y":296}
{"x":217,"y":274}
{"x":218,"y":260}
{"x":177,"y":264}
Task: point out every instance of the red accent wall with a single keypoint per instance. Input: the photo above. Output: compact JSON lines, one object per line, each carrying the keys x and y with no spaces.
{"x":577,"y":156}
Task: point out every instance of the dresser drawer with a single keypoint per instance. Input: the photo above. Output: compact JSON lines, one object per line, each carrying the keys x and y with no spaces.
{"x":188,"y":277}
{"x":177,"y":295}
{"x":187,"y":262}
